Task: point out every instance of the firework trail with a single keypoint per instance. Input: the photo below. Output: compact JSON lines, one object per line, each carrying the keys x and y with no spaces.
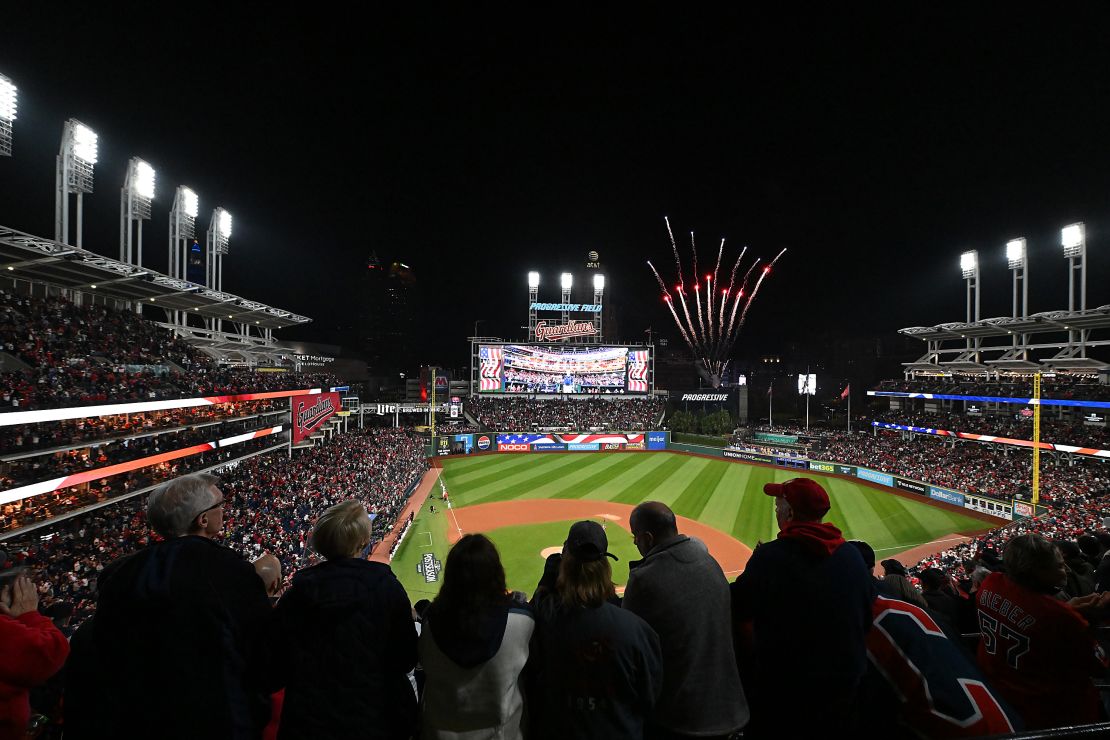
{"x":712,"y":339}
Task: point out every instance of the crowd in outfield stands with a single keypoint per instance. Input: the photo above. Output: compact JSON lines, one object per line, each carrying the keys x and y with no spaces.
{"x":21,"y":438}
{"x":272,"y":503}
{"x":82,"y":355}
{"x":1057,"y":431}
{"x":525,"y":414}
{"x":970,"y":467}
{"x":1063,"y":386}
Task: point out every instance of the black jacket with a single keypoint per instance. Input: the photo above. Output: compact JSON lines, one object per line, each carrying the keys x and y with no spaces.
{"x":171,"y":650}
{"x":345,"y":642}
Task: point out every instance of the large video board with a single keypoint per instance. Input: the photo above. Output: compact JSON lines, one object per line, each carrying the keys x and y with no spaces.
{"x":525,"y":369}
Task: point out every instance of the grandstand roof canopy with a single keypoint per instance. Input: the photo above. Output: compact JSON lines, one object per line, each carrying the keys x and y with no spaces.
{"x":46,"y":261}
{"x":1038,"y":323}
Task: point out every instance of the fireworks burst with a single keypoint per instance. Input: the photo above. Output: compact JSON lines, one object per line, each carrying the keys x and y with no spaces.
{"x":712,"y":338}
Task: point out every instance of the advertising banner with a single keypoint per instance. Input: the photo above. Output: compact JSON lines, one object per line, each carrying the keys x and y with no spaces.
{"x":311,"y":412}
{"x":612,"y":445}
{"x":791,"y":462}
{"x":657,"y":440}
{"x":911,"y":486}
{"x":884,"y":479}
{"x":484,"y":443}
{"x":846,"y":469}
{"x":949,"y":497}
{"x":534,"y":439}
{"x":549,"y":447}
{"x":1022,"y":510}
{"x":749,"y":456}
{"x":788,"y":439}
{"x":583,"y":446}
{"x":455,"y":444}
{"x":822,"y":467}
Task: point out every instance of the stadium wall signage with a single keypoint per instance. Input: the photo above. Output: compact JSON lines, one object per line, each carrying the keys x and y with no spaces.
{"x":912,"y":486}
{"x":549,"y":447}
{"x":716,"y":397}
{"x":657,"y":440}
{"x":884,"y":479}
{"x":1023,"y":509}
{"x":310,"y":413}
{"x":547,"y":333}
{"x":949,"y":497}
{"x":824,"y":467}
{"x":577,"y":307}
{"x":584,"y":446}
{"x":1051,"y":446}
{"x":750,"y":456}
{"x":483,"y":443}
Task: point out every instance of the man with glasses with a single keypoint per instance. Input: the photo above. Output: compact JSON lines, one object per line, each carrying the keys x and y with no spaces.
{"x":173,"y":649}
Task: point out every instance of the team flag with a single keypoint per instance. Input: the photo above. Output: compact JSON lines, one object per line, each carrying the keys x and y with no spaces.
{"x":847,"y":389}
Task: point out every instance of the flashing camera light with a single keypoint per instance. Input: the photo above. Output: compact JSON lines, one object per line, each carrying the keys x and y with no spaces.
{"x":599,"y":282}
{"x":969,"y":263}
{"x":1015,"y":253}
{"x":8,"y":96}
{"x":1072,"y":237}
{"x":566,"y":280}
{"x":192,"y":203}
{"x":143,"y":182}
{"x":533,"y":280}
{"x":84,"y":143}
{"x":224,"y":224}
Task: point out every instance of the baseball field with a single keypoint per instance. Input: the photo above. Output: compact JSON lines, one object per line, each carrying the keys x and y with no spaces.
{"x":526,"y":502}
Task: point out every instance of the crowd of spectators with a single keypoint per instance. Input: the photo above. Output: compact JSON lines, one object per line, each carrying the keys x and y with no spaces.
{"x":272,"y":503}
{"x":971,"y":467}
{"x":23,"y":438}
{"x":525,"y":414}
{"x":1058,"y":431}
{"x":82,"y":355}
{"x":1073,"y":386}
{"x":26,"y":511}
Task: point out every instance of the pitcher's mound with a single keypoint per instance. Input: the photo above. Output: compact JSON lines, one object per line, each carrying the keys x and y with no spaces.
{"x":547,"y":552}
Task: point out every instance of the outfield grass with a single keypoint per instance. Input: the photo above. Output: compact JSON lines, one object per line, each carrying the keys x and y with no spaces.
{"x":725,"y":495}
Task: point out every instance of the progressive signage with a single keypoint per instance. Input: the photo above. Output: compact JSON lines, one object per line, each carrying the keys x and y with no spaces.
{"x":712,"y":397}
{"x":569,"y":307}
{"x":883,"y":479}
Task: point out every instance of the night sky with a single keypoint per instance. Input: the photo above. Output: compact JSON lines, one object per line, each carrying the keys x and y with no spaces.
{"x":476,"y":147}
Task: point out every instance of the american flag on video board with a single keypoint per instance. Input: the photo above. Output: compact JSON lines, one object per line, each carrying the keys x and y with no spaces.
{"x":637,"y":371}
{"x":490,"y":359}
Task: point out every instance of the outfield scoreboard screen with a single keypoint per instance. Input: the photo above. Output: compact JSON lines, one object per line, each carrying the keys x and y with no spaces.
{"x":525,"y":369}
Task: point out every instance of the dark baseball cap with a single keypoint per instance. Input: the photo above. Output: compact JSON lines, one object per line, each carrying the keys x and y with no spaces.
{"x":586,"y":541}
{"x":806,"y":497}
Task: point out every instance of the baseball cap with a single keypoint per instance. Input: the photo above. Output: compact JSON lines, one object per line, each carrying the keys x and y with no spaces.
{"x":586,"y":541}
{"x":806,"y":497}
{"x":893,"y":567}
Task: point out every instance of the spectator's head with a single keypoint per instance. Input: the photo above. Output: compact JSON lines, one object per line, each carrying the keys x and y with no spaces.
{"x":421,"y":608}
{"x":1089,"y":545}
{"x":1068,"y":548}
{"x":473,"y":578}
{"x":191,"y":504}
{"x":585,"y":576}
{"x":932,"y":579}
{"x":1035,"y":563}
{"x":866,"y":552}
{"x":651,"y":523}
{"x":798,"y":500}
{"x":342,"y":531}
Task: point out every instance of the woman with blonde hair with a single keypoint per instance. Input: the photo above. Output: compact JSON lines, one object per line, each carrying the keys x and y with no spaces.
{"x":345,"y":639}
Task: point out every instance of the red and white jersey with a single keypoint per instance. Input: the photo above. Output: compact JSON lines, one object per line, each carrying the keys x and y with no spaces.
{"x":1038,"y":653}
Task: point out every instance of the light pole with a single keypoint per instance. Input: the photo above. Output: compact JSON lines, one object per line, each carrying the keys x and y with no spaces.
{"x":1017,"y":258}
{"x":217,"y":237}
{"x":134,"y":208}
{"x":74,"y":174}
{"x":8,"y":99}
{"x":599,"y":290}
{"x":183,"y":219}
{"x":1074,"y":240}
{"x":566,"y":280}
{"x":969,"y":267}
{"x":533,"y":296}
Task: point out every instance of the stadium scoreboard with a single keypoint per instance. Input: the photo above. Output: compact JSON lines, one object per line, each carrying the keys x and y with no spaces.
{"x":560,"y":369}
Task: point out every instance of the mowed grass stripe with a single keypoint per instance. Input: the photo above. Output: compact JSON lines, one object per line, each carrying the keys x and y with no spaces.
{"x":669,"y":492}
{"x":720,"y":510}
{"x":697,"y":493}
{"x":755,"y":519}
{"x":464,"y":473}
{"x":493,"y":473}
{"x":607,"y":490}
{"x":593,"y":463}
{"x":543,"y":470}
{"x":643,"y":488}
{"x":578,"y":489}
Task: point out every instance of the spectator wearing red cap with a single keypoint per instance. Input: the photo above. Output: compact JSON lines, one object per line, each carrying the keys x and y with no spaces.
{"x":808,"y":599}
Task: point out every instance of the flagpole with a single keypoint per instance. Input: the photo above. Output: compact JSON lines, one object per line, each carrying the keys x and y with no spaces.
{"x":849,"y":408}
{"x":771,"y":404}
{"x":807,"y":398}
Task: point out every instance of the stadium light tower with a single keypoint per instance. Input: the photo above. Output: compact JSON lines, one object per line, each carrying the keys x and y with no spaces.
{"x":219,"y":234}
{"x":599,"y":290}
{"x":1073,"y":237}
{"x":567,"y":281}
{"x":76,"y":159}
{"x":1017,"y":258}
{"x":134,"y":208}
{"x":8,"y":92}
{"x":969,"y":267}
{"x":533,"y":296}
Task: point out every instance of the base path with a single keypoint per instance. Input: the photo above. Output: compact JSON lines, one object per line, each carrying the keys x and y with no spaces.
{"x":730,"y":553}
{"x":915,"y":554}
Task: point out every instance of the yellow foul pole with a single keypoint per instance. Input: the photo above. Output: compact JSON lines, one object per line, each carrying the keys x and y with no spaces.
{"x":1036,"y":439}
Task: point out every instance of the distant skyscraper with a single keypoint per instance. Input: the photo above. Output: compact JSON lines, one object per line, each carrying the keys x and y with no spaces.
{"x":387,"y":322}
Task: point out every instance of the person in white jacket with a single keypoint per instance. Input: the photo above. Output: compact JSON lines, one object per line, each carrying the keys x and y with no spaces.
{"x":473,"y":647}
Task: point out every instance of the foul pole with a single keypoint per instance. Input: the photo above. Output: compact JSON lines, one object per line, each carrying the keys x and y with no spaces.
{"x":1036,"y":440}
